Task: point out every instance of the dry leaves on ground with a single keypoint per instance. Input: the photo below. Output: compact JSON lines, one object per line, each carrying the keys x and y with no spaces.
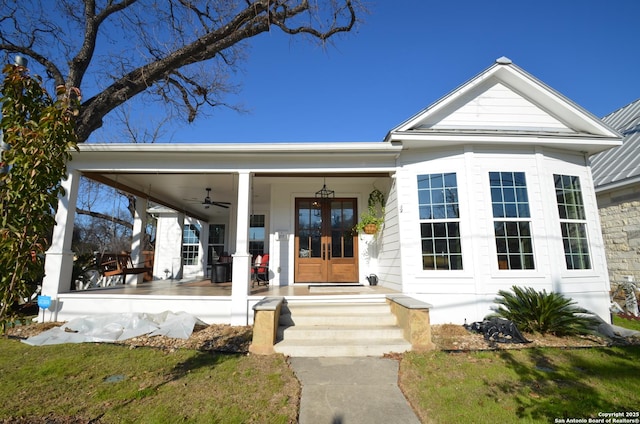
{"x":236,"y":339}
{"x":456,"y":337}
{"x":215,"y":337}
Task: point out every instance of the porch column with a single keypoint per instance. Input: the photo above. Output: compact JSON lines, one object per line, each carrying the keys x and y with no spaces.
{"x":58,"y":265}
{"x":177,"y":262}
{"x":203,"y":255}
{"x":241,"y":258}
{"x":137,"y":239}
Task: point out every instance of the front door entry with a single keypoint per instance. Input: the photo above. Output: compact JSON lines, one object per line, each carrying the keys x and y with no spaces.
{"x":325,"y":244}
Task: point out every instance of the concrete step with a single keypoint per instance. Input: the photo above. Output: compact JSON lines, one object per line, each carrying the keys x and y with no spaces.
{"x":342,"y":332}
{"x":331,"y":348}
{"x":336,"y":314}
{"x":334,"y":308}
{"x":322,"y":329}
{"x":337,"y":320}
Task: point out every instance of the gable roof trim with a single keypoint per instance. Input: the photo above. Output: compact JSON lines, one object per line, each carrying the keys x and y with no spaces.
{"x":529,"y":87}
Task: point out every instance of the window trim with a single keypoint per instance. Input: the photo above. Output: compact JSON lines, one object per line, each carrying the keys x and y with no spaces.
{"x":578,"y":221}
{"x":507,"y":219}
{"x":194,"y":246}
{"x":465,"y":262}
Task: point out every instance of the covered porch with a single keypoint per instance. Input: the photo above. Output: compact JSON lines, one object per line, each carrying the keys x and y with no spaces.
{"x":245,"y":182}
{"x":210,"y":302}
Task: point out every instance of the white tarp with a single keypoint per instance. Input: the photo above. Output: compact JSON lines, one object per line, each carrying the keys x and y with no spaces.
{"x":116,"y":327}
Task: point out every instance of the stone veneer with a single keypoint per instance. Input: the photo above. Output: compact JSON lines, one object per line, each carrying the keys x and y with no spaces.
{"x":620,"y":220}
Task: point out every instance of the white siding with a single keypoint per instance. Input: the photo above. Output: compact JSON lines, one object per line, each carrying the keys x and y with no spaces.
{"x":168,"y":253}
{"x":388,"y":244}
{"x":469,"y":294}
{"x":499,"y":107}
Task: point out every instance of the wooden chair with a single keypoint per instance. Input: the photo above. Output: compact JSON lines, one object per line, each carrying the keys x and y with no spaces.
{"x":112,"y":264}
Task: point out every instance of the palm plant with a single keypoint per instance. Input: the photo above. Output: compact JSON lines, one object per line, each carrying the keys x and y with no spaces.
{"x":544,"y":312}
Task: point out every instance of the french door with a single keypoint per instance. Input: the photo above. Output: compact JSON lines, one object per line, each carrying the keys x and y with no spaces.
{"x":326,"y":247}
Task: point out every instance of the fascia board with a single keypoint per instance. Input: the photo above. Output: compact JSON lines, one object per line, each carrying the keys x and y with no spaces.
{"x":240,"y":148}
{"x":554,"y":102}
{"x":197,"y":158}
{"x":588,"y":145}
{"x":444,"y":101}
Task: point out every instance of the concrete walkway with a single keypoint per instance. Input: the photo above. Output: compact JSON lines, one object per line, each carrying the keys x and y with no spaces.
{"x":351,"y":391}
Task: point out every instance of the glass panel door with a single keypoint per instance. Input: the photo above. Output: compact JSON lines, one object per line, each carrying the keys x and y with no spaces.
{"x":326,"y":245}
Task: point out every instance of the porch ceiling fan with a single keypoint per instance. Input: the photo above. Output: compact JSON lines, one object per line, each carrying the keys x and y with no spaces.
{"x":207,"y":202}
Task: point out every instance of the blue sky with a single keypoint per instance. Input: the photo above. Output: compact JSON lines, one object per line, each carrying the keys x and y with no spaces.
{"x":409,"y":53}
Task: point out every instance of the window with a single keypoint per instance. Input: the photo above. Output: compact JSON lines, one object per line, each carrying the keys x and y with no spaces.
{"x":256,"y":235}
{"x":572,"y":221}
{"x":216,"y":241}
{"x":511,"y":220}
{"x":439,"y":221}
{"x":190,"y":244}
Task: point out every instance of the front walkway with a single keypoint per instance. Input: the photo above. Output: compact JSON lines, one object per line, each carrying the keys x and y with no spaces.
{"x":351,"y":390}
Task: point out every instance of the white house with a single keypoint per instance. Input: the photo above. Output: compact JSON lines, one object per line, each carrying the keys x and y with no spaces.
{"x":487,"y":188}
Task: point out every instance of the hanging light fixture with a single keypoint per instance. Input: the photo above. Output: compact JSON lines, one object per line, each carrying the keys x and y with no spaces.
{"x":324,"y":192}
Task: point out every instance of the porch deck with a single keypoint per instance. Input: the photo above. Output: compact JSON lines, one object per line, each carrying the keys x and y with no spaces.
{"x":207,"y":288}
{"x":210,"y":302}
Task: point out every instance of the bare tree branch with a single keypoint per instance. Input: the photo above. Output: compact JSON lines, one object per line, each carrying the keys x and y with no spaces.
{"x":106,"y":217}
{"x":129,"y":46}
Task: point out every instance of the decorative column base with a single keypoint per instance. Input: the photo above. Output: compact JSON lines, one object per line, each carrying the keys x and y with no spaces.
{"x":240,"y":289}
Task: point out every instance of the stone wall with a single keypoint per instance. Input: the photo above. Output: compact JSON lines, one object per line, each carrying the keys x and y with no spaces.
{"x":620,"y":219}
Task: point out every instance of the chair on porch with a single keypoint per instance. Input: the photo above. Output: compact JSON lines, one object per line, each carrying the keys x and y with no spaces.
{"x":120,"y":265}
{"x":260,"y":271}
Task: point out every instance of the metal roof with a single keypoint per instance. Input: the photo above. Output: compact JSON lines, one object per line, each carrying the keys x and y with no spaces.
{"x":621,"y":165}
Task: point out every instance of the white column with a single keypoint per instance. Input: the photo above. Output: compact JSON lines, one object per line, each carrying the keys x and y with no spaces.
{"x":137,"y":239}
{"x":58,"y":266}
{"x":177,"y":260}
{"x":241,"y":257}
{"x":203,"y":258}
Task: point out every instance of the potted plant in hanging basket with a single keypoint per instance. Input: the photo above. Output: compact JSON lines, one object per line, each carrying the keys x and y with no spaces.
{"x":371,"y":220}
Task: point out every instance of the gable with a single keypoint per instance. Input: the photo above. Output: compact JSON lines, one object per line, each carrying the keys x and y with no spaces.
{"x":494,"y":106}
{"x":505,"y":104}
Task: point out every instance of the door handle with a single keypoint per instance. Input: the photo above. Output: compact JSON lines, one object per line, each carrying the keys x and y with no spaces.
{"x":324,"y":247}
{"x":328,"y":251}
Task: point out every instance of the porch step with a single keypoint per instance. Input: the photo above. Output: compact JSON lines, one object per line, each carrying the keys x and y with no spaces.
{"x":314,"y":329}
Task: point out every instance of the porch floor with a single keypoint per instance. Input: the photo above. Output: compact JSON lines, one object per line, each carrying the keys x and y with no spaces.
{"x":207,"y":288}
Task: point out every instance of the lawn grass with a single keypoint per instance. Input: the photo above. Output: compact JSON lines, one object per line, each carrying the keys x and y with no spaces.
{"x":536,"y":385}
{"x":113,"y":383}
{"x":631,"y":324}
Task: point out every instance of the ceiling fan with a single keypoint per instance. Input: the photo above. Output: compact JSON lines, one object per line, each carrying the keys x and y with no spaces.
{"x":207,"y":202}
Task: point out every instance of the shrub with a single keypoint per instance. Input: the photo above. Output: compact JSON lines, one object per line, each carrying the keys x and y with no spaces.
{"x":544,"y":312}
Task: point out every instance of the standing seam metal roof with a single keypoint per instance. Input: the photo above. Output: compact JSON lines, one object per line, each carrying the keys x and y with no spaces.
{"x":615,"y":166}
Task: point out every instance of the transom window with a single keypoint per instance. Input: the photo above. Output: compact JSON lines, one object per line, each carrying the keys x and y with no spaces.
{"x":511,"y":220}
{"x":190,"y":244}
{"x":572,"y":221}
{"x":439,"y":221}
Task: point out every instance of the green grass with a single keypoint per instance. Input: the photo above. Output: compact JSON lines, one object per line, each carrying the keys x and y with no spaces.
{"x":113,"y":383}
{"x":528,"y":385}
{"x":117,"y":384}
{"x":631,"y":324}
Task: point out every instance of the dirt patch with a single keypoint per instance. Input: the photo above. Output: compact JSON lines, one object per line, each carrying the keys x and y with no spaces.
{"x":236,"y":339}
{"x":456,"y":337}
{"x":215,"y":337}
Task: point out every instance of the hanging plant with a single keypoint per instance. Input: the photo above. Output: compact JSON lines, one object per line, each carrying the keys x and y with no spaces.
{"x":371,"y":221}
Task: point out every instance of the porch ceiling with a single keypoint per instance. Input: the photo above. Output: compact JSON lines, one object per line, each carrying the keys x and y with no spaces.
{"x":185,"y":191}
